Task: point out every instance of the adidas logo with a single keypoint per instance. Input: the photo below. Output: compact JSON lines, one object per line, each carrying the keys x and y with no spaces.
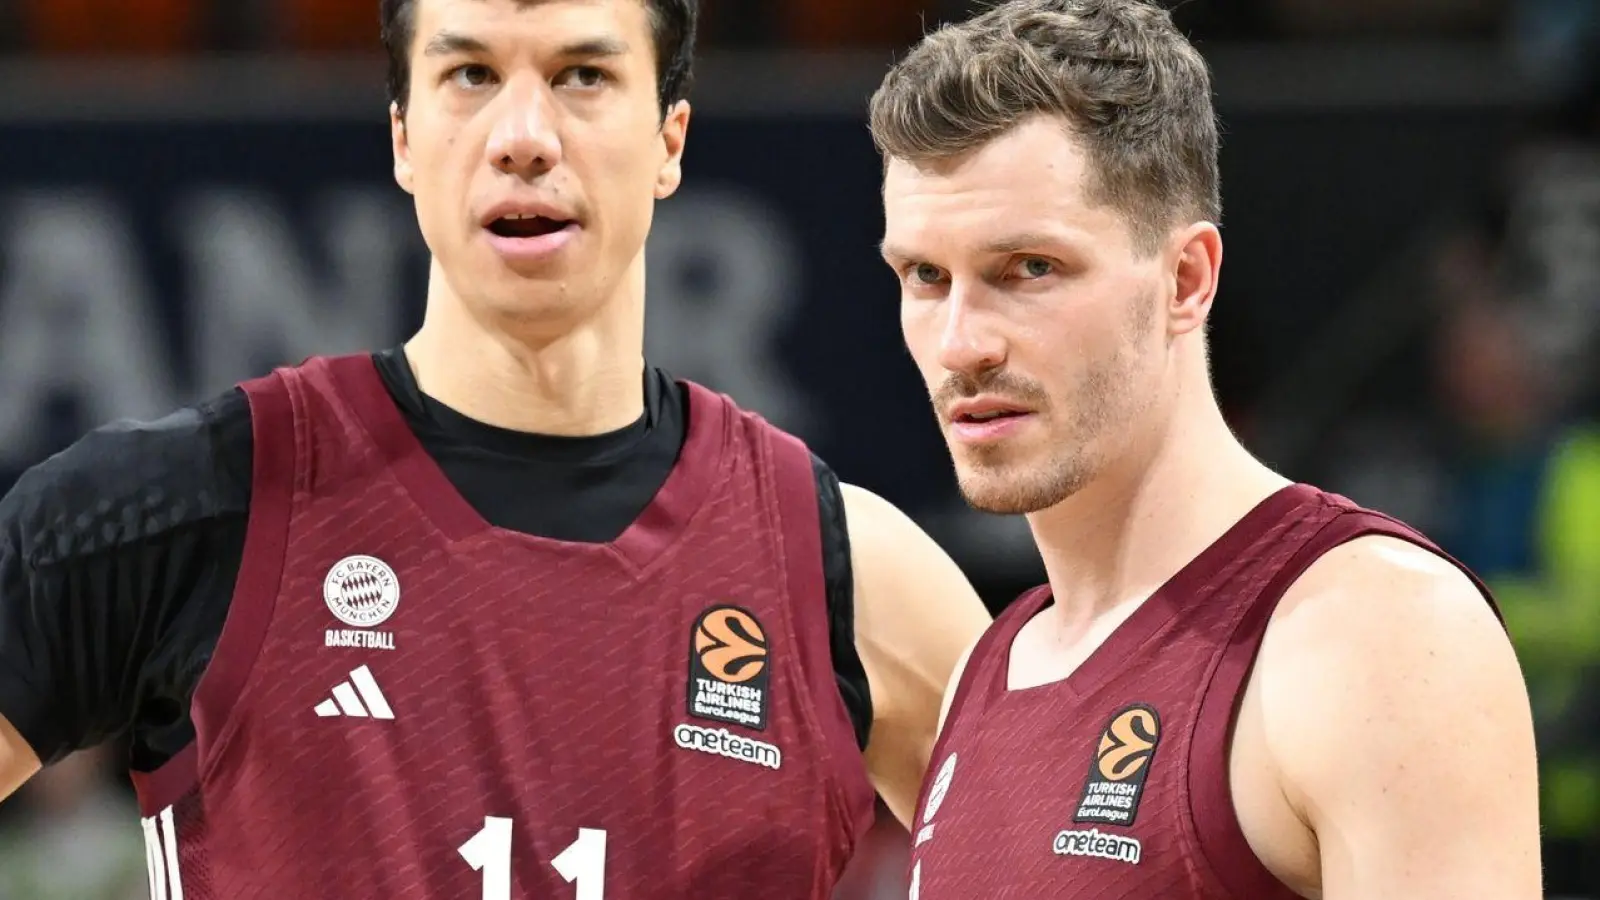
{"x":360,"y":701}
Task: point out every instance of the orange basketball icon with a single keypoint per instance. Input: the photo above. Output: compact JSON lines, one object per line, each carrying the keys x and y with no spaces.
{"x":731,"y":645}
{"x":1128,"y":743}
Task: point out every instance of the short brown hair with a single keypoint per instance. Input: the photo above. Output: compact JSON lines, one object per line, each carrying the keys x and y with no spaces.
{"x":1130,"y":85}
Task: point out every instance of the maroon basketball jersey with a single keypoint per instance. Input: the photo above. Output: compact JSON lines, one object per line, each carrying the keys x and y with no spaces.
{"x":409,"y":703}
{"x":1113,"y":784}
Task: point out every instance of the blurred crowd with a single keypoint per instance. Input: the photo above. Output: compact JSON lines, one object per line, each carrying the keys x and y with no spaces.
{"x":1500,"y":462}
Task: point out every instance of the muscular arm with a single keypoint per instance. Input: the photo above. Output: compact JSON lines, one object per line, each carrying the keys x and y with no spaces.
{"x":916,"y":613}
{"x":1397,"y":718}
{"x":955,"y":683}
{"x":18,"y":762}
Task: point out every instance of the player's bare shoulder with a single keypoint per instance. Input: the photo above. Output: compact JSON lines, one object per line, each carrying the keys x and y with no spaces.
{"x":1367,"y":619}
{"x":1380,"y":593}
{"x":1385,"y":690}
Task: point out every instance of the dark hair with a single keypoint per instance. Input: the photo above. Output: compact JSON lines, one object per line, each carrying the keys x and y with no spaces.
{"x":672,"y":20}
{"x":1123,"y":77}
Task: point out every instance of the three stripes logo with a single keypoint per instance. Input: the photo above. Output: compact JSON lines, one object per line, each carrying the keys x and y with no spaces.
{"x":1122,"y":762}
{"x":358,"y":698}
{"x":729,"y":668}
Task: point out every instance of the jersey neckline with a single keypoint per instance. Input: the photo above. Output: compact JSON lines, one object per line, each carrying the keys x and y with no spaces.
{"x":655,"y":528}
{"x":1172,"y":597}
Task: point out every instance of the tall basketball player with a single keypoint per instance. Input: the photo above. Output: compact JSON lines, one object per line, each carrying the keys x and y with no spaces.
{"x":504,"y":612}
{"x":1232,"y":686}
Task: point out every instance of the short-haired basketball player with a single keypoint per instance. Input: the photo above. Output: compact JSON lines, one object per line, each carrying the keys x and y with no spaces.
{"x":1232,"y":686}
{"x":504,"y":612}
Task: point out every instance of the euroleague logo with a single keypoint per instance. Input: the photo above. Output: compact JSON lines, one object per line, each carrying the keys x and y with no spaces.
{"x":1128,"y":744}
{"x":1122,"y":761}
{"x":729,"y":668}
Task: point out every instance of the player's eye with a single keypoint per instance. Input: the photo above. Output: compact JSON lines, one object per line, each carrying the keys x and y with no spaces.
{"x":1033,"y":267}
{"x":583,"y":77}
{"x":924,"y":274}
{"x":470,"y":76}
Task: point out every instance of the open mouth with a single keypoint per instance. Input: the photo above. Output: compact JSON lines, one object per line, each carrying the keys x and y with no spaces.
{"x":526,"y":226}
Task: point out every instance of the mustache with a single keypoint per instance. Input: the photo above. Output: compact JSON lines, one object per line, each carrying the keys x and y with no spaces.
{"x":1004,"y":385}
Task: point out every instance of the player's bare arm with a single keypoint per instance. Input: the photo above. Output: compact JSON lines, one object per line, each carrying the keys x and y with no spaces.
{"x":18,"y":762}
{"x":1396,"y":718}
{"x":915,"y":615}
{"x":955,"y":683}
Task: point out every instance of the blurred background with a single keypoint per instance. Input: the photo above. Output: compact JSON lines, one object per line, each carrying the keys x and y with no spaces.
{"x":193,"y":191}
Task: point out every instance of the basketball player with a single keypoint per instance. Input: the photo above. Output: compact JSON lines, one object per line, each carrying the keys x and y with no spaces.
{"x":1232,"y":686}
{"x":503,"y":612}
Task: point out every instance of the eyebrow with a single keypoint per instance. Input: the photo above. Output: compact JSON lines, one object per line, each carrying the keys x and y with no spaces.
{"x":595,"y":48}
{"x":449,"y":43}
{"x":892,"y":253}
{"x":1014,"y":243}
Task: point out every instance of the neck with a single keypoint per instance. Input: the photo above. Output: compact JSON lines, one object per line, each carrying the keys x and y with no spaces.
{"x":572,"y":378}
{"x":1146,"y":515}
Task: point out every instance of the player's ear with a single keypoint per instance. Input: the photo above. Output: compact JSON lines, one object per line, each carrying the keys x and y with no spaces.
{"x":674,"y":134}
{"x":403,"y":174}
{"x":1196,"y":263}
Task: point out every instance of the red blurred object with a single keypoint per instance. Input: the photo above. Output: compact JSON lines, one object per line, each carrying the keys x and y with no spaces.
{"x":112,"y":27}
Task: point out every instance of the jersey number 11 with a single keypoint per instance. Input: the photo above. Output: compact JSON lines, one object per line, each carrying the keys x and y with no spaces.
{"x":583,"y":862}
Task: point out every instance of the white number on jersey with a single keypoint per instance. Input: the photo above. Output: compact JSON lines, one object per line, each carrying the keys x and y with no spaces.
{"x":583,"y":862}
{"x":161,"y":856}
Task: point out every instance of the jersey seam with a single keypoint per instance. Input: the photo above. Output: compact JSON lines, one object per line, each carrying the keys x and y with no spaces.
{"x":1191,"y":829}
{"x":808,"y":705}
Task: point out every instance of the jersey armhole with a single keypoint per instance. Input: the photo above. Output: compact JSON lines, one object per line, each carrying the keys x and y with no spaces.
{"x":255,"y":593}
{"x":979,"y":673}
{"x":849,"y":673}
{"x":1213,"y":820}
{"x":977,"y":677}
{"x":800,"y":524}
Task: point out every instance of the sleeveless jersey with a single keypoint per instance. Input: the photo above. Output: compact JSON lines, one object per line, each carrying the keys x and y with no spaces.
{"x":1113,"y":784}
{"x":408,"y":703}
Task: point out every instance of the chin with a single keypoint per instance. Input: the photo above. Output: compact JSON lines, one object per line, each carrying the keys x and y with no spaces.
{"x":1011,"y":490}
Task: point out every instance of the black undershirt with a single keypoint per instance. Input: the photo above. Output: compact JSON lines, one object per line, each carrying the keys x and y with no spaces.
{"x":118,"y":556}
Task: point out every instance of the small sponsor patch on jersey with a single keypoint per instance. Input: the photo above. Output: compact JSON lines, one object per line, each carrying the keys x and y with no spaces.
{"x":722,"y":742}
{"x":729,"y":668}
{"x":1121,"y":763}
{"x":940,"y":789}
{"x":1102,"y":846}
{"x":362,"y":592}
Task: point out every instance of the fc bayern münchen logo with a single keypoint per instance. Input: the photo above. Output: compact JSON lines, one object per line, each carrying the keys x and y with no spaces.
{"x":361,"y":591}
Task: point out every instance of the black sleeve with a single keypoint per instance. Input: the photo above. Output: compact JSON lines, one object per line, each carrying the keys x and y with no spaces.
{"x":117,"y":561}
{"x":847,"y":669}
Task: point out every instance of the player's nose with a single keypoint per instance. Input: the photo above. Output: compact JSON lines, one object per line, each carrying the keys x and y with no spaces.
{"x":968,"y":341}
{"x":525,"y":140}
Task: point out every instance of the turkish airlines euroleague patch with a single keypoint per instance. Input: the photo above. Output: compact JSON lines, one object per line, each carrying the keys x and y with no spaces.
{"x":1121,"y":763}
{"x":728,"y":668}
